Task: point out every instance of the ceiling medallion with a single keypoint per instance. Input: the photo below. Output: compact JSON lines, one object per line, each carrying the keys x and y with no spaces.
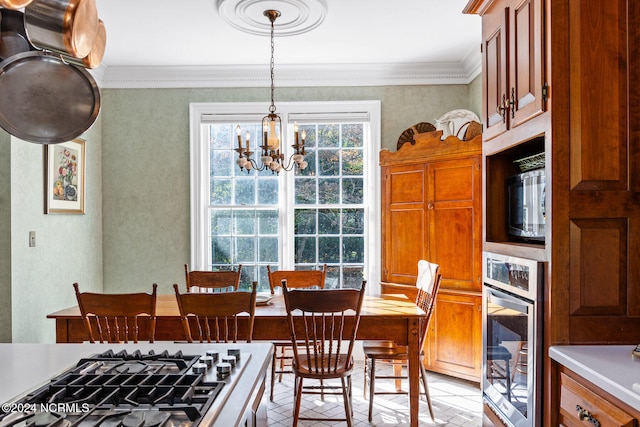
{"x":296,"y":16}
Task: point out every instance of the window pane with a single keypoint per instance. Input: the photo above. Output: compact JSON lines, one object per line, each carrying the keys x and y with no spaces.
{"x":305,"y":191}
{"x":329,"y":191}
{"x":220,"y":137}
{"x":220,"y":191}
{"x":267,"y":222}
{"x":305,"y":250}
{"x":310,"y":158}
{"x":245,"y":192}
{"x":263,"y":278}
{"x":268,"y":191}
{"x":310,"y":142}
{"x":247,"y":276}
{"x":352,"y":191}
{"x":352,"y":162}
{"x":245,"y":250}
{"x":328,"y":136}
{"x":352,"y":277}
{"x":305,"y":221}
{"x":353,"y":221}
{"x":352,"y":135}
{"x":220,"y":250}
{"x":220,"y":223}
{"x":332,"y":278}
{"x":221,"y":163}
{"x":329,"y":221}
{"x":329,"y":162}
{"x":353,"y":249}
{"x":243,"y":222}
{"x":268,"y":247}
{"x":329,"y":249}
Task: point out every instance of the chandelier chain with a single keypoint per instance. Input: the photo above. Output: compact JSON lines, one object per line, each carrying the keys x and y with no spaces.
{"x":272,"y":108}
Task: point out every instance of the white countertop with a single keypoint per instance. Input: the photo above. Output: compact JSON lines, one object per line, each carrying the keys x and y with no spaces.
{"x":610,"y":367}
{"x":25,"y":367}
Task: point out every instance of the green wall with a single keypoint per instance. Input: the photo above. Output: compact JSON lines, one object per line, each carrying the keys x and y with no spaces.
{"x":68,"y":247}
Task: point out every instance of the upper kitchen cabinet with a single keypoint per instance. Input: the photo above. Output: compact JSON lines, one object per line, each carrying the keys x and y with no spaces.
{"x":514,"y":88}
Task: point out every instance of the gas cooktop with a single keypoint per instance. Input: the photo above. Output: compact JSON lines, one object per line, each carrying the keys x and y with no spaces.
{"x":129,"y":389}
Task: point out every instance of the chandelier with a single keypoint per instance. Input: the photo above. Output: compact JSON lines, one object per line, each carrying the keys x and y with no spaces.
{"x":272,"y":156}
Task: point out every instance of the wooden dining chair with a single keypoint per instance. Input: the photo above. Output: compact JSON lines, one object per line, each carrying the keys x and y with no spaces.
{"x":217,"y":317}
{"x":296,"y":279}
{"x":212,"y":281}
{"x":388,"y":352}
{"x":114,"y":318}
{"x":323,"y":324}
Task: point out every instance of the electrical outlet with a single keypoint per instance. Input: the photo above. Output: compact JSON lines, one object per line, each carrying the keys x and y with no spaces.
{"x":32,"y":239}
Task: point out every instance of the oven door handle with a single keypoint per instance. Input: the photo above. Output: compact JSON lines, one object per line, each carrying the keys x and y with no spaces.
{"x":508,"y":303}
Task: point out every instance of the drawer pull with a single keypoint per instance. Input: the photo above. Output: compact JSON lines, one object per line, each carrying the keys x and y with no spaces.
{"x":583,"y":414}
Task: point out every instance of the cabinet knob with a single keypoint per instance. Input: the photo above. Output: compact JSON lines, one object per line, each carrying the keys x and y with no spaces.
{"x":430,"y":206}
{"x":583,"y":414}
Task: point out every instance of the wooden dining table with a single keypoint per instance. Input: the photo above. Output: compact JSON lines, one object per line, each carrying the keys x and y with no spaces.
{"x":382,"y":317}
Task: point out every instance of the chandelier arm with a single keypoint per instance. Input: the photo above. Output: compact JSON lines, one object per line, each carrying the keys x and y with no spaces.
{"x":255,"y":166}
{"x":290,"y":164}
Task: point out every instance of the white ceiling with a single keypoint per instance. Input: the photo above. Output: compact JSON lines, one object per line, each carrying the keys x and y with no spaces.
{"x":188,"y":43}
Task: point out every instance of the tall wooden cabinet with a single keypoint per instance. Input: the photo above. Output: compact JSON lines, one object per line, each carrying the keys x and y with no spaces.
{"x":589,"y":130}
{"x":432,"y":209}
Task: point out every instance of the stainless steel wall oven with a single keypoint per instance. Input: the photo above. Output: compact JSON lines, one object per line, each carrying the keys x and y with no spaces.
{"x":512,"y":338}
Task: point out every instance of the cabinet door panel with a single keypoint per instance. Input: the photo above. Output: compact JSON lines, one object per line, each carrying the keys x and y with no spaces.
{"x":598,"y":279}
{"x":527,"y":70}
{"x":599,"y":130}
{"x":454,"y":218}
{"x":406,"y":186}
{"x":454,"y":338}
{"x":494,"y":60}
{"x":404,"y":223}
{"x":405,"y":246}
{"x":451,"y":246}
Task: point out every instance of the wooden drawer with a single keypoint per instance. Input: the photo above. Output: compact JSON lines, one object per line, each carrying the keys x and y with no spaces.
{"x":576,"y":399}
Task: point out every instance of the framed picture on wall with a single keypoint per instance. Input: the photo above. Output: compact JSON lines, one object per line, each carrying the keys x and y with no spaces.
{"x":64,"y":177}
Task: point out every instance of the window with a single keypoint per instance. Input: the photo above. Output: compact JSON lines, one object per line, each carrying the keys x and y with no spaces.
{"x":325,"y":214}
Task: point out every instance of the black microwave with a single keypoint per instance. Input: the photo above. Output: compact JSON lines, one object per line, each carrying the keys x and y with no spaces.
{"x":526,"y":205}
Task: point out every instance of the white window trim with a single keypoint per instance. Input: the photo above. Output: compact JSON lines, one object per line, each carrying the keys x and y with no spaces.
{"x":230,"y":111}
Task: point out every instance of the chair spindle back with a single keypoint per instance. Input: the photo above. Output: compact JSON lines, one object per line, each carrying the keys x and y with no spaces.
{"x":217,"y":317}
{"x":113,"y":318}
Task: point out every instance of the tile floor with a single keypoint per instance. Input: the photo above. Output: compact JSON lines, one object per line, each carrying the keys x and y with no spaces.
{"x":455,"y":403}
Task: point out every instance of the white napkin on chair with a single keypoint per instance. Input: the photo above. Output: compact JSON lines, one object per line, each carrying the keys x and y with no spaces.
{"x":426,"y":275}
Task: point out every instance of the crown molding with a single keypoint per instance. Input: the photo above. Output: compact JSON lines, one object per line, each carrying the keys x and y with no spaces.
{"x":224,"y":76}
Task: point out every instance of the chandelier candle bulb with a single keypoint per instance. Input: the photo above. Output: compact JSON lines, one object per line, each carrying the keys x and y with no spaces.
{"x":248,"y":138}
{"x":239,"y":138}
{"x":265,"y":130}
